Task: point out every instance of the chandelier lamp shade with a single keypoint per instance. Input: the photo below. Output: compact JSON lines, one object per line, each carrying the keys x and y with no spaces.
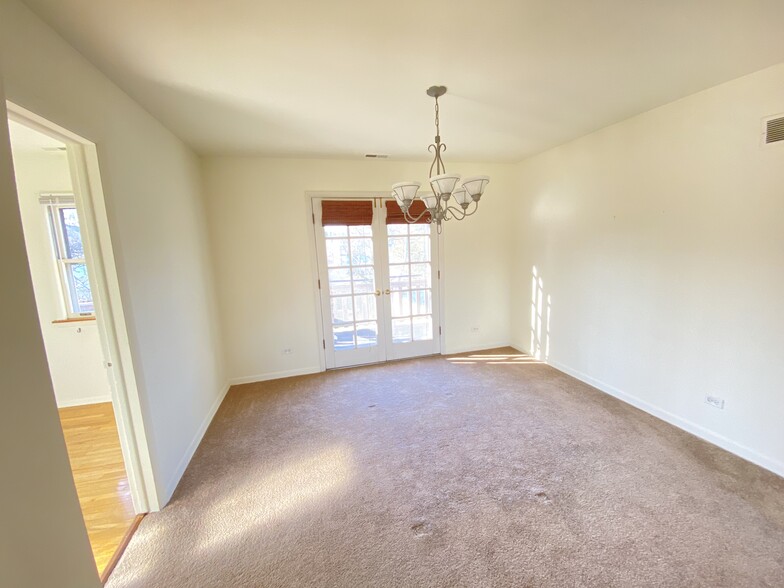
{"x":447,"y":201}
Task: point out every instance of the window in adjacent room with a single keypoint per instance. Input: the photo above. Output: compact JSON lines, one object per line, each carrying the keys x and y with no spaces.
{"x":68,"y":250}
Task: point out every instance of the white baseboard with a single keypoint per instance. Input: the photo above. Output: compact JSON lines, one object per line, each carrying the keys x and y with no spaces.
{"x":521,"y":347}
{"x":275,"y":375}
{"x":188,"y":455}
{"x":82,"y":401}
{"x":742,"y":451}
{"x":474,"y":348}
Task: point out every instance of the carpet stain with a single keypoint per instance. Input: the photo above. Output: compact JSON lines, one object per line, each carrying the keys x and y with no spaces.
{"x":541,"y":496}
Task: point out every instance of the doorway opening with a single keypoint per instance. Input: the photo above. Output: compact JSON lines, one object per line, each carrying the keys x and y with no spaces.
{"x":80,"y":313}
{"x":378,"y":282}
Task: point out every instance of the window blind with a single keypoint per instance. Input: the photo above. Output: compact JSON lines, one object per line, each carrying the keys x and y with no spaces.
{"x":346,"y":212}
{"x":395,"y":214}
{"x":56,"y":198}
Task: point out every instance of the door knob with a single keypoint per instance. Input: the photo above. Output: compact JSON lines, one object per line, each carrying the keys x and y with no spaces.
{"x":378,"y":292}
{"x":386,"y":291}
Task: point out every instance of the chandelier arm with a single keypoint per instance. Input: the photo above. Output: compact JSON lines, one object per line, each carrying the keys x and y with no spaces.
{"x":411,"y":220}
{"x":463,"y":213}
{"x":454,"y":213}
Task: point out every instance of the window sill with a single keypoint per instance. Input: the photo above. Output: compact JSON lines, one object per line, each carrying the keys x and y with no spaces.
{"x":80,"y":319}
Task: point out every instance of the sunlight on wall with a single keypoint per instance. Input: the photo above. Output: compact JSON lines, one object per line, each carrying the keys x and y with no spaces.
{"x":263,"y":501}
{"x":540,"y":318}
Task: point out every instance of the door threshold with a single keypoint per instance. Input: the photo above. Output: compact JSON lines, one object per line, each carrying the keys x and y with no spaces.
{"x":359,"y":365}
{"x":118,"y":553}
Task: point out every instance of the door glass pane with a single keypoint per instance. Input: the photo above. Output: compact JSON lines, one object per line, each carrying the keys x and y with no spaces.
{"x":365,"y":307}
{"x":398,"y":249}
{"x":337,"y":252}
{"x":340,"y":281}
{"x":364,"y":280}
{"x":367,"y":334}
{"x":420,"y":275}
{"x":400,"y":303}
{"x":423,"y":328}
{"x":343,"y":336}
{"x":340,"y":231}
{"x":362,"y":251}
{"x":401,"y":330}
{"x":342,"y":310}
{"x":360,"y":231}
{"x":352,"y":286}
{"x":420,"y":302}
{"x":419,"y":248}
{"x":399,"y":277}
{"x":411,"y":296}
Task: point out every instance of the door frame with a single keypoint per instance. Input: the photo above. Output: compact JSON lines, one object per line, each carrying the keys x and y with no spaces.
{"x":314,"y":266}
{"x":110,"y":317}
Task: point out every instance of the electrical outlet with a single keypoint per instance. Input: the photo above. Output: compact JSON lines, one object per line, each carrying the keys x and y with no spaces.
{"x":287,"y":351}
{"x":715,"y":401}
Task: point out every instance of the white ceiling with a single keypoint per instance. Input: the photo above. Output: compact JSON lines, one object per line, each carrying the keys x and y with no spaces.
{"x":342,"y":78}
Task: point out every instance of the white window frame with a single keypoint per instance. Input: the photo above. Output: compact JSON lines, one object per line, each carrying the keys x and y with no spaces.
{"x":54,"y":203}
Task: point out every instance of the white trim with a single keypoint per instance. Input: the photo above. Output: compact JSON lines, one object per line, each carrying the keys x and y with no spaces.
{"x":441,"y":293}
{"x":174,"y":480}
{"x":83,"y":401}
{"x":517,"y":346}
{"x":475,"y":348}
{"x":110,"y":316}
{"x":703,"y":433}
{"x":276,"y":375}
{"x":314,"y":270}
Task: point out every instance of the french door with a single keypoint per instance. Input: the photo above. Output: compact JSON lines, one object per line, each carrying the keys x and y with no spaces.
{"x":378,"y":282}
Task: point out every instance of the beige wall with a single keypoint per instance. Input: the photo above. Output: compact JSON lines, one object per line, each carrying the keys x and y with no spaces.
{"x":156,"y":214}
{"x":660,"y":243}
{"x":43,"y":541}
{"x":262,"y":252}
{"x":73,"y":351}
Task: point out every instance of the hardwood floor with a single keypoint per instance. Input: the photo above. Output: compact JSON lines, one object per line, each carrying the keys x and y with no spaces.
{"x":101,"y":481}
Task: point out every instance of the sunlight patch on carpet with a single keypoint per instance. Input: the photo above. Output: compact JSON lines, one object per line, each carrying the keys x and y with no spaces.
{"x":294,"y":486}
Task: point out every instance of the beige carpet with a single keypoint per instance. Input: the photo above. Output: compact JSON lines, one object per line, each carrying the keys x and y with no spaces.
{"x":480,"y":471}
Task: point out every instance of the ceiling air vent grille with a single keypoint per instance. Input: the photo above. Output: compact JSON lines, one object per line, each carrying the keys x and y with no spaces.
{"x":774,"y":130}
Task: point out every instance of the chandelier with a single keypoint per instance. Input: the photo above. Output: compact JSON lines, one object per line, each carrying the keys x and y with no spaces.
{"x":444,"y":185}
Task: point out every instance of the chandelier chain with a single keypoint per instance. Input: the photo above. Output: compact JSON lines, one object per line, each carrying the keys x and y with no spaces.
{"x":438,"y":122}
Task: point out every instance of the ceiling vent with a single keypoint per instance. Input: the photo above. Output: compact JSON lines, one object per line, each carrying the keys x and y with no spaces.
{"x":381,"y":155}
{"x":774,"y":130}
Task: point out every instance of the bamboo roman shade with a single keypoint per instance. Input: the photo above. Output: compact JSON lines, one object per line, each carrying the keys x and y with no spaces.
{"x":346,"y":212}
{"x":395,"y":214}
